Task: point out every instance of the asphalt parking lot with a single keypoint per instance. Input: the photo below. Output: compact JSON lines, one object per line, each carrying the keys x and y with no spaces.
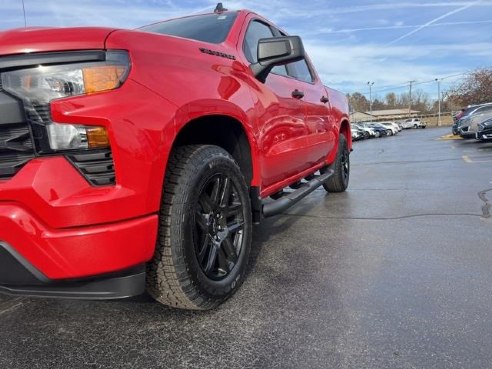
{"x":394,"y":273}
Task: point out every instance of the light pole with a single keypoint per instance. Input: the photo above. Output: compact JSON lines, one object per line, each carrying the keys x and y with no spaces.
{"x":370,"y":96}
{"x":410,"y":98}
{"x":439,"y":101}
{"x":24,"y":13}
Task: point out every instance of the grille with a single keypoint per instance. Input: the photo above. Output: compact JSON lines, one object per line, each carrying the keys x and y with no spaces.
{"x":38,"y":113}
{"x":96,"y":167}
{"x":16,"y":148}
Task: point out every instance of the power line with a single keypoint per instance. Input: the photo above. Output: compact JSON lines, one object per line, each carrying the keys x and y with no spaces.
{"x":414,"y":83}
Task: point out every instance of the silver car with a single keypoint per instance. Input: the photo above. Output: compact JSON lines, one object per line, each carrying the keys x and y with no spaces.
{"x":469,"y":125}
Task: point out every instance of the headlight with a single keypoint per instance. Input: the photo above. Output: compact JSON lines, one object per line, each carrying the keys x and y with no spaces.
{"x":76,"y":137}
{"x":42,"y":84}
{"x":38,"y":85}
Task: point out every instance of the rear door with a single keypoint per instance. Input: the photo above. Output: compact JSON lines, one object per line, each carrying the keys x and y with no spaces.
{"x":321,"y":137}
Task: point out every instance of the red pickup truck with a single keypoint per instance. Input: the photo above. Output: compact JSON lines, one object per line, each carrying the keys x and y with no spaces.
{"x":142,"y":158}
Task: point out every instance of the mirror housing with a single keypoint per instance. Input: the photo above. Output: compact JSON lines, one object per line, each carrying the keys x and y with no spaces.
{"x":276,"y":51}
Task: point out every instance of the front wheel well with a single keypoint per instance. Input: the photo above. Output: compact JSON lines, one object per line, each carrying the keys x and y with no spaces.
{"x":223,"y":131}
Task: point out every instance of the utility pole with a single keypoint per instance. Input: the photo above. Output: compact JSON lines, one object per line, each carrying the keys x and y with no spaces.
{"x":439,"y":101}
{"x":410,"y":98}
{"x":370,"y":96}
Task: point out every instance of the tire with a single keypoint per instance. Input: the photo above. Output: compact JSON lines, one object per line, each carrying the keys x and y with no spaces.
{"x":415,"y":126}
{"x":205,"y":230}
{"x":339,"y":181}
{"x":378,"y":134}
{"x":366,"y":135}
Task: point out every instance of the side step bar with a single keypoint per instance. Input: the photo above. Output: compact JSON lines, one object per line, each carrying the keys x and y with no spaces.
{"x":290,"y":198}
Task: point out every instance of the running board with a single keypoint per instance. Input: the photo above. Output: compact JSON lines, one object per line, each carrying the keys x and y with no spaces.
{"x":290,"y":198}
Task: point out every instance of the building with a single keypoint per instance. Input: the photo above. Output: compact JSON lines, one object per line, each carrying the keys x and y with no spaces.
{"x":388,"y":114}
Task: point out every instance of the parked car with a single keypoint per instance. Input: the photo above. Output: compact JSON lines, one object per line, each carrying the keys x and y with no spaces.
{"x":460,"y":118}
{"x":413,"y":123}
{"x":380,"y":129}
{"x":142,"y":158}
{"x":357,"y":134}
{"x":391,"y":125}
{"x":463,"y":118}
{"x":484,"y":130}
{"x":368,"y":131}
{"x":468,"y":124}
{"x":368,"y":126}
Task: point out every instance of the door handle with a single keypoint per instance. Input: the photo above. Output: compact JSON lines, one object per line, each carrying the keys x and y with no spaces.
{"x":297,"y":94}
{"x":324,"y":99}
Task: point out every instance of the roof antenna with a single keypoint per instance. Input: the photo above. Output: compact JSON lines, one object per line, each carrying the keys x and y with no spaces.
{"x":219,"y":8}
{"x":24,"y":12}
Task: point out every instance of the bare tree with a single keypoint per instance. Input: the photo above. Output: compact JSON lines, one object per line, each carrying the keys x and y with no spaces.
{"x":476,"y":88}
{"x":358,"y":102}
{"x":391,"y":100}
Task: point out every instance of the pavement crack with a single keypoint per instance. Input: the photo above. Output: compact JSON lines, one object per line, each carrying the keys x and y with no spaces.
{"x":487,"y":205}
{"x":11,"y":305}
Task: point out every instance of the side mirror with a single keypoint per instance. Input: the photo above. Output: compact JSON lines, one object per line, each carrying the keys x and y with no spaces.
{"x":276,"y":51}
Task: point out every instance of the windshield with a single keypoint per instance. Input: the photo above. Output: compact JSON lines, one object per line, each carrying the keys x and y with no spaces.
{"x":212,"y":28}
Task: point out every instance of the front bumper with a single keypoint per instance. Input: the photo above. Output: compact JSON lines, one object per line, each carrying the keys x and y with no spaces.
{"x":484,"y":135}
{"x":466,"y":133}
{"x":77,"y":252}
{"x":19,"y":277}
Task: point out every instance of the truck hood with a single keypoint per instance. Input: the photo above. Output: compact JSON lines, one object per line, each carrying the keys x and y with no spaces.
{"x":32,"y":40}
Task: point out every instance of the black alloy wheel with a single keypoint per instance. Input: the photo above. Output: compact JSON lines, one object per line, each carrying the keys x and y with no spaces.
{"x":219,"y":225}
{"x":339,"y":181}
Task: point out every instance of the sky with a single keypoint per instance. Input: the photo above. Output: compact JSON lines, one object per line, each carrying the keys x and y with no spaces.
{"x":351,"y":43}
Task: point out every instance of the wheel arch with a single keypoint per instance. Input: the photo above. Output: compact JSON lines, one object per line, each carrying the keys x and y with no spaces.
{"x":223,"y":131}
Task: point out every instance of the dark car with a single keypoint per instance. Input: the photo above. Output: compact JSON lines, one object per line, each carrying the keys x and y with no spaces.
{"x":383,"y":131}
{"x":484,"y":130}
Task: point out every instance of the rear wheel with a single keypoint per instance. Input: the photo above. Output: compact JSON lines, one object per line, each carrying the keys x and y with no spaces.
{"x":204,"y":230}
{"x":338,"y":182}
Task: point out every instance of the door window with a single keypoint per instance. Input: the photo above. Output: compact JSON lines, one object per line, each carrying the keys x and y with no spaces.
{"x":256,"y":31}
{"x":300,"y":70}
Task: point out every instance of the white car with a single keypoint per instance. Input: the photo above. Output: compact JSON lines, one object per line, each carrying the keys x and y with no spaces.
{"x":396,"y":125}
{"x":391,"y":125}
{"x":413,"y":123}
{"x":368,"y":131}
